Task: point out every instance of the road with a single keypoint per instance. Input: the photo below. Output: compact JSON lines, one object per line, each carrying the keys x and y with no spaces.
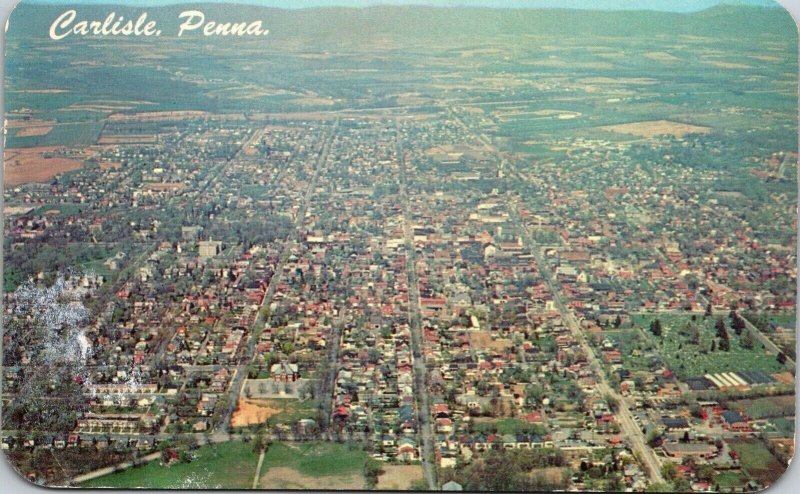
{"x":629,"y":428}
{"x":237,"y":383}
{"x":420,"y":371}
{"x":326,"y":391}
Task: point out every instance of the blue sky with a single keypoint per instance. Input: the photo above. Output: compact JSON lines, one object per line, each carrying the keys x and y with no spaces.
{"x":665,"y":5}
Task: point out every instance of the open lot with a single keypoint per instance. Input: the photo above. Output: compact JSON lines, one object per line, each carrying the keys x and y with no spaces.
{"x":228,"y":465}
{"x":320,"y":466}
{"x":399,"y":477}
{"x":251,"y":412}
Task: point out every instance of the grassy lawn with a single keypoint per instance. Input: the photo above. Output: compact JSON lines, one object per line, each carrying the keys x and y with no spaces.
{"x":757,"y":461}
{"x":292,"y":410}
{"x":730,"y":480}
{"x":229,"y":465}
{"x":507,"y":426}
{"x":759,"y":408}
{"x":687,"y":359}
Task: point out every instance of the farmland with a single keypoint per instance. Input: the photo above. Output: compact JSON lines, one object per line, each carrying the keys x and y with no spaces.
{"x":38,"y":164}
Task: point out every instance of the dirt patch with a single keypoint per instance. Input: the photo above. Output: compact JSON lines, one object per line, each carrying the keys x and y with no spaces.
{"x":289,"y":478}
{"x":398,"y":477}
{"x":482,"y":340}
{"x":251,"y":412}
{"x":31,"y":165}
{"x":34,"y":131}
{"x":657,"y":128}
{"x":784,"y":378}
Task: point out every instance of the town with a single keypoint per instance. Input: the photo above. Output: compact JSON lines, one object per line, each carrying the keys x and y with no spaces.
{"x":471,"y":288}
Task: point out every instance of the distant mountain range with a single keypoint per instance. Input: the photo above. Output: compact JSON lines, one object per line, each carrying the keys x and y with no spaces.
{"x":339,"y":23}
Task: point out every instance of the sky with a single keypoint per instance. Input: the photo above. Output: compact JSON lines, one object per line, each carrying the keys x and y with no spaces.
{"x":664,"y":5}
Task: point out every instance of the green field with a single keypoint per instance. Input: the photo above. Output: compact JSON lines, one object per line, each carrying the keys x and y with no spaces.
{"x":687,"y":359}
{"x":759,"y":408}
{"x":316,"y":459}
{"x":65,"y":134}
{"x":229,"y":465}
{"x":730,"y":480}
{"x":757,"y":461}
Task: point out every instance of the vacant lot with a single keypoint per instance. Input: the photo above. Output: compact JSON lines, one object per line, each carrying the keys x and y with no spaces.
{"x":229,"y":465}
{"x":313,"y":466}
{"x":251,"y":412}
{"x":399,"y":477}
{"x":482,"y":340}
{"x":29,"y":165}
{"x":657,"y":128}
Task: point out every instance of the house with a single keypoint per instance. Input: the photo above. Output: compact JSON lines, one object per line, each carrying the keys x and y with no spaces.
{"x":406,"y":449}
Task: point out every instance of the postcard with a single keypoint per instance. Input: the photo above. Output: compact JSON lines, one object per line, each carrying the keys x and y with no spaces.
{"x":423,"y":245}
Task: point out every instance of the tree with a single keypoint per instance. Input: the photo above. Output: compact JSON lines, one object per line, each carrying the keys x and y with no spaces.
{"x":669,"y":470}
{"x":655,"y":328}
{"x":782,"y":358}
{"x":747,"y":340}
{"x":725,"y":345}
{"x":738,"y":324}
{"x":706,"y":472}
{"x":722,"y":331}
{"x":709,"y":311}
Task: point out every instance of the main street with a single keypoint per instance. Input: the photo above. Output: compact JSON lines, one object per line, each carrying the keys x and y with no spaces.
{"x":629,"y":428}
{"x":428,"y":456}
{"x":237,"y":383}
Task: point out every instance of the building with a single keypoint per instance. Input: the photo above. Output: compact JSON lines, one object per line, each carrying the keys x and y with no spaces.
{"x":693,"y":450}
{"x":209,"y":249}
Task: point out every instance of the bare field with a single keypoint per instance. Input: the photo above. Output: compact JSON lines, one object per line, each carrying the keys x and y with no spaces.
{"x":482,"y":340}
{"x":288,"y":478}
{"x":251,"y":412}
{"x":29,"y":165}
{"x":657,"y":128}
{"x":128,"y":139}
{"x":399,"y":477}
{"x":34,"y":131}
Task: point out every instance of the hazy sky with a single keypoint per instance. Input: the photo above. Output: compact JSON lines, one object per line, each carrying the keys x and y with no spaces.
{"x":667,"y":5}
